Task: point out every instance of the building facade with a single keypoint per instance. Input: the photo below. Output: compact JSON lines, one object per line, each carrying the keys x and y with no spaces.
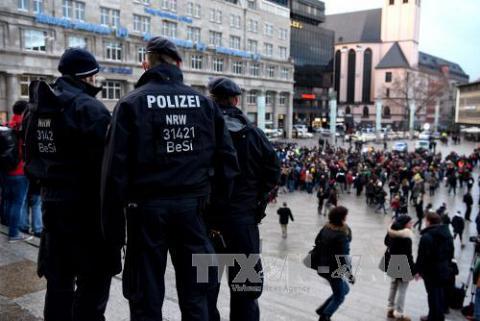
{"x":312,"y":53}
{"x":377,"y":60}
{"x":248,"y":41}
{"x":467,"y":110}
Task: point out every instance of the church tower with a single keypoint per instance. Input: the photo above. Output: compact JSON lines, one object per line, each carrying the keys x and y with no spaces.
{"x":401,"y":23}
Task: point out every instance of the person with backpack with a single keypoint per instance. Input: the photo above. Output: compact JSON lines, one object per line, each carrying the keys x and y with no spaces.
{"x":333,"y":242}
{"x":65,"y":128}
{"x":16,"y":183}
{"x":399,"y":246}
{"x":235,"y":221}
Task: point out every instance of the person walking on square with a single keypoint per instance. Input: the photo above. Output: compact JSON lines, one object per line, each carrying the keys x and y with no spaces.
{"x":468,"y":200}
{"x":334,"y":241}
{"x":285,"y":214}
{"x":458,"y":224}
{"x":435,"y":254}
{"x":399,"y":246}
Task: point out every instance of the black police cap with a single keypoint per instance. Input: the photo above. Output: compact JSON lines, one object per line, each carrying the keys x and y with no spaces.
{"x":163,"y":46}
{"x":78,"y":62}
{"x":225,"y":87}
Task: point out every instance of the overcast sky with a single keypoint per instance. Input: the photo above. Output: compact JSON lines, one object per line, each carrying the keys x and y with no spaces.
{"x":449,"y":29}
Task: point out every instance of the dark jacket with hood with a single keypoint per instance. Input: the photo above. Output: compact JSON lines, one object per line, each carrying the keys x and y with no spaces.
{"x":399,"y":243}
{"x":166,"y":141}
{"x":259,"y":171}
{"x":334,"y":244}
{"x":435,"y":253}
{"x":65,"y":128}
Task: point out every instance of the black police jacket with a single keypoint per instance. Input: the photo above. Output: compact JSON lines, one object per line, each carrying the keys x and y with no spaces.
{"x":259,"y":171}
{"x":435,"y":253}
{"x":166,"y":141}
{"x":65,"y":128}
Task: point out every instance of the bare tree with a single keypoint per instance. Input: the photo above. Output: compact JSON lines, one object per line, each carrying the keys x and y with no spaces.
{"x":421,"y":88}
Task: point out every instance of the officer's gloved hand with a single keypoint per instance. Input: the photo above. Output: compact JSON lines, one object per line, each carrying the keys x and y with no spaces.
{"x":351,"y":279}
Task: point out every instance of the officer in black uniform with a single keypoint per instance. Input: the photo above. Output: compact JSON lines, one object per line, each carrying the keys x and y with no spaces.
{"x":167,"y":145}
{"x":234,"y":224}
{"x":65,"y":129}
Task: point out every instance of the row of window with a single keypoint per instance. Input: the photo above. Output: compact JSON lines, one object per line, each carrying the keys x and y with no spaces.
{"x":386,"y":112}
{"x":35,"y":40}
{"x":111,"y":17}
{"x":218,"y":64}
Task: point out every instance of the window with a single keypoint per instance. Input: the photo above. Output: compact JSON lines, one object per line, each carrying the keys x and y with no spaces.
{"x":235,"y":21}
{"x":392,"y":2}
{"x":252,"y":25}
{"x":215,"y":38}
{"x":252,"y":97}
{"x":269,"y":98}
{"x":196,"y":62}
{"x":115,"y":18}
{"x":106,"y":14}
{"x":79,"y":10}
{"x":282,"y":99}
{"x":141,"y":54}
{"x":111,"y":90}
{"x":252,"y":4}
{"x":77,"y":42}
{"x":67,"y":8}
{"x":270,"y":71}
{"x":268,"y":30}
{"x":22,"y":5}
{"x":169,"y":29}
{"x":366,"y":112}
{"x":351,"y":76}
{"x":252,"y":45}
{"x":215,"y":15}
{"x":218,"y":64}
{"x":348,"y":110}
{"x":268,"y":49}
{"x":193,"y":10}
{"x":237,"y":67}
{"x":234,"y":42}
{"x":386,"y":112}
{"x":405,"y":1}
{"x":35,"y":40}
{"x":367,"y":76}
{"x":141,"y":23}
{"x":37,"y":6}
{"x":284,"y":73}
{"x":113,"y":51}
{"x":193,"y":34}
{"x":254,"y":69}
{"x":283,"y":52}
{"x":25,"y":81}
{"x":283,"y":34}
{"x":388,"y":76}
{"x":387,"y":93}
{"x":169,"y":5}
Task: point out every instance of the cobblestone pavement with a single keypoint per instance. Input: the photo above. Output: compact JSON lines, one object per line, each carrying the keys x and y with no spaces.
{"x":292,"y":292}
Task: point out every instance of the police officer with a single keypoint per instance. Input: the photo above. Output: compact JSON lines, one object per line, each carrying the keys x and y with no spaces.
{"x":234,"y":224}
{"x":168,"y":144}
{"x":65,"y":132}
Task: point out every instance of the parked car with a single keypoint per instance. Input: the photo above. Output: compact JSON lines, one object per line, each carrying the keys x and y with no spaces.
{"x":421,"y":145}
{"x":272,"y":133}
{"x":425,"y":135}
{"x":401,"y":147}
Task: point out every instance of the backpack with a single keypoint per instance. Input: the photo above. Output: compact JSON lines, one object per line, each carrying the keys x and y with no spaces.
{"x":9,"y":151}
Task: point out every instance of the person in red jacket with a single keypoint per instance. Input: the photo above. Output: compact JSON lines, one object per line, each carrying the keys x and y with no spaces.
{"x":16,"y":182}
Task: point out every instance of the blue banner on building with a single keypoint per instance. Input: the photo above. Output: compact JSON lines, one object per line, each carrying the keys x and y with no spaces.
{"x":167,"y":15}
{"x":73,"y":24}
{"x":117,"y":70}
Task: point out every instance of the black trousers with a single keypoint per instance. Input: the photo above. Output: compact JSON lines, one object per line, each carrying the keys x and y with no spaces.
{"x":155,"y":228}
{"x":239,"y":239}
{"x":436,"y":301}
{"x":77,"y":266}
{"x":468,"y":212}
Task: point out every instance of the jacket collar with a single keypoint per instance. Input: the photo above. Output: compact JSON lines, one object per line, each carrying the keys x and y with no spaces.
{"x":76,"y":86}
{"x":162,"y":72}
